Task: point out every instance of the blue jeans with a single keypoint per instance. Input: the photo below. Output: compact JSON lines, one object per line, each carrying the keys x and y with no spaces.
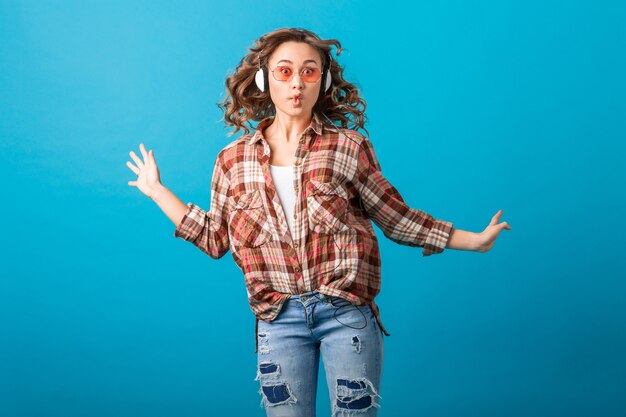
{"x":350,"y":342}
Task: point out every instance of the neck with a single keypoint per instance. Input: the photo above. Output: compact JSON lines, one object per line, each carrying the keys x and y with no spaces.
{"x":286,"y":128}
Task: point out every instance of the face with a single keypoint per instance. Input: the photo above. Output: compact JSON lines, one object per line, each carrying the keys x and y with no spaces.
{"x":296,"y":96}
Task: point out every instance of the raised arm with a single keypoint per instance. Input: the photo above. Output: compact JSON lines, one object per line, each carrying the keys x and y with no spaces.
{"x":206,"y":230}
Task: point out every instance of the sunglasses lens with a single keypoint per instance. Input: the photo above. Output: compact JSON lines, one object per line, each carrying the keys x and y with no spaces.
{"x":282,"y":73}
{"x":309,"y":75}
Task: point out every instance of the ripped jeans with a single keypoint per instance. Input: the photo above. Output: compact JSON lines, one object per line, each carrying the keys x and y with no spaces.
{"x":350,"y":342}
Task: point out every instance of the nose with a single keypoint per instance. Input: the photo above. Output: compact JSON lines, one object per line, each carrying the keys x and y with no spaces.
{"x":296,"y":81}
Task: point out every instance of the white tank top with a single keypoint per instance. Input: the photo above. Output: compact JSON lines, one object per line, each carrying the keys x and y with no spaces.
{"x":283,"y":178}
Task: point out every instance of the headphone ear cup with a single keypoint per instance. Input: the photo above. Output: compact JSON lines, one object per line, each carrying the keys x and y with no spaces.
{"x":328,"y":79}
{"x":260,"y":78}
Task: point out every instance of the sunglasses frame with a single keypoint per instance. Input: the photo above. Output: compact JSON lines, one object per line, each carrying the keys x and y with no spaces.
{"x":293,"y":73}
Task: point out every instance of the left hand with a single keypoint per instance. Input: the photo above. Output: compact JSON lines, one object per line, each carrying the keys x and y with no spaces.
{"x":487,"y":237}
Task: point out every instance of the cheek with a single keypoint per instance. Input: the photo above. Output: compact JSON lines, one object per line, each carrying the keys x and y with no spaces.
{"x":276,"y":85}
{"x":315,"y":95}
{"x":275,"y":91}
{"x":272,"y":95}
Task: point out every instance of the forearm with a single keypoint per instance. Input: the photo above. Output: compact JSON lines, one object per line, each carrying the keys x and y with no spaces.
{"x":462,"y":240}
{"x":171,"y":205}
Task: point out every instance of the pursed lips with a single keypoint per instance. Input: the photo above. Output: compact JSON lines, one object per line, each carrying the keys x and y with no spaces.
{"x":296,"y":99}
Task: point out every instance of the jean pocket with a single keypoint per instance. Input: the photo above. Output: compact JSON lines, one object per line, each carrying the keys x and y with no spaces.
{"x":337,"y":302}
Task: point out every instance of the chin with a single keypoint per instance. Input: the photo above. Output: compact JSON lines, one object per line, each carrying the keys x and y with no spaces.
{"x":297,"y":111}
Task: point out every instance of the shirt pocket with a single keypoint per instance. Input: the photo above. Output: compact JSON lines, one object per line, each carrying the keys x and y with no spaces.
{"x":327,"y":207}
{"x":248,"y":223}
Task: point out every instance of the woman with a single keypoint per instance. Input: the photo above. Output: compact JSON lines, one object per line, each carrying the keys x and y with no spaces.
{"x":293,"y":202}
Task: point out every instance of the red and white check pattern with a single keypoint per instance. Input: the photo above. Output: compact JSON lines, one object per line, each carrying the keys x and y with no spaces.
{"x":340,"y":189}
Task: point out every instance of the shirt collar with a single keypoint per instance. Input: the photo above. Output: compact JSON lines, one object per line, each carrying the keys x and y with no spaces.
{"x":315,"y":126}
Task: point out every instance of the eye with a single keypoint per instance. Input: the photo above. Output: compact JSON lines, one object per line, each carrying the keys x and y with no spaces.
{"x":285,"y":70}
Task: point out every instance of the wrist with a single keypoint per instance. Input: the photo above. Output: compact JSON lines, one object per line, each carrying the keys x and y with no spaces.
{"x":158,"y":192}
{"x":477,"y":242}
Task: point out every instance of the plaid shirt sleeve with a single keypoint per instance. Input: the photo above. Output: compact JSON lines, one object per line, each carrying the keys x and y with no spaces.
{"x":385,"y":206}
{"x":209,"y":230}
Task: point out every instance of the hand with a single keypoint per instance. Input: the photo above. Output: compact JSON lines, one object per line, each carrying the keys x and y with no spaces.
{"x":148,"y":179}
{"x":487,"y":237}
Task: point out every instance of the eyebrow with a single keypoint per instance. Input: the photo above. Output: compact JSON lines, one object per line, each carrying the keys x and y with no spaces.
{"x":286,"y":60}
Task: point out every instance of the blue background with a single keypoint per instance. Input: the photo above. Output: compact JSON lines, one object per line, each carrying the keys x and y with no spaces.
{"x":473,"y":107}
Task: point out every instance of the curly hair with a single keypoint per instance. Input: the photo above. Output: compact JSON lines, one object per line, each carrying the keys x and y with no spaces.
{"x":244,"y":102}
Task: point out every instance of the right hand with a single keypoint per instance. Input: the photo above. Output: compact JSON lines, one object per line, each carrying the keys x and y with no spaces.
{"x":148,"y":179}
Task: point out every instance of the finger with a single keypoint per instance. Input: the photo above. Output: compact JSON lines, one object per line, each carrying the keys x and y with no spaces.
{"x":505,"y":225}
{"x":495,"y":218}
{"x":132,"y":167}
{"x":143,"y":152}
{"x":148,"y":161}
{"x":152,"y":157}
{"x":132,"y":183}
{"x":136,"y":159}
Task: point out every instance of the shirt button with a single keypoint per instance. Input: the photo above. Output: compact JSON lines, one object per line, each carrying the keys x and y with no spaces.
{"x":295,"y":216}
{"x":297,"y":163}
{"x":295,"y":245}
{"x":296,"y":269}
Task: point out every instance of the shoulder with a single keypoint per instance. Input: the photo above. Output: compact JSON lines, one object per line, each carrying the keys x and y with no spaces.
{"x":233,"y":148}
{"x":353,"y":140}
{"x":227,"y":157}
{"x":348,"y":137}
{"x":360,"y":146}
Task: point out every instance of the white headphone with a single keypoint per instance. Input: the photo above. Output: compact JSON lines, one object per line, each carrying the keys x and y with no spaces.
{"x":261,"y":75}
